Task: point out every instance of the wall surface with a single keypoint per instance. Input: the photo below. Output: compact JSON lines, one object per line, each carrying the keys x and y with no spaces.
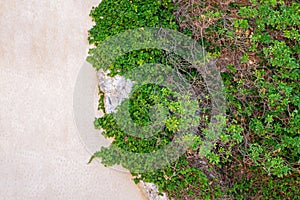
{"x":43,"y":46}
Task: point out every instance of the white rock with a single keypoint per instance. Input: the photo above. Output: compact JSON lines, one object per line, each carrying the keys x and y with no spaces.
{"x":115,"y":89}
{"x":151,"y":191}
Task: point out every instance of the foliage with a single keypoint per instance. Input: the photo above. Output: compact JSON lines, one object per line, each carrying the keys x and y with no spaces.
{"x":256,"y":46}
{"x":110,"y":19}
{"x":274,"y":122}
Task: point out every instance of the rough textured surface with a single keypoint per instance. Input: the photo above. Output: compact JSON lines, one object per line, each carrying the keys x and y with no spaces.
{"x":115,"y":89}
{"x":151,"y":191}
{"x":43,"y":45}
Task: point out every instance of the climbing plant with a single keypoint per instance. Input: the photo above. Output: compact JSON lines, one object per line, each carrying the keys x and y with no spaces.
{"x":256,"y":47}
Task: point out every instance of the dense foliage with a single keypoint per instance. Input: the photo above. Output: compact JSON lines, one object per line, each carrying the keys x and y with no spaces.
{"x":256,"y":46}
